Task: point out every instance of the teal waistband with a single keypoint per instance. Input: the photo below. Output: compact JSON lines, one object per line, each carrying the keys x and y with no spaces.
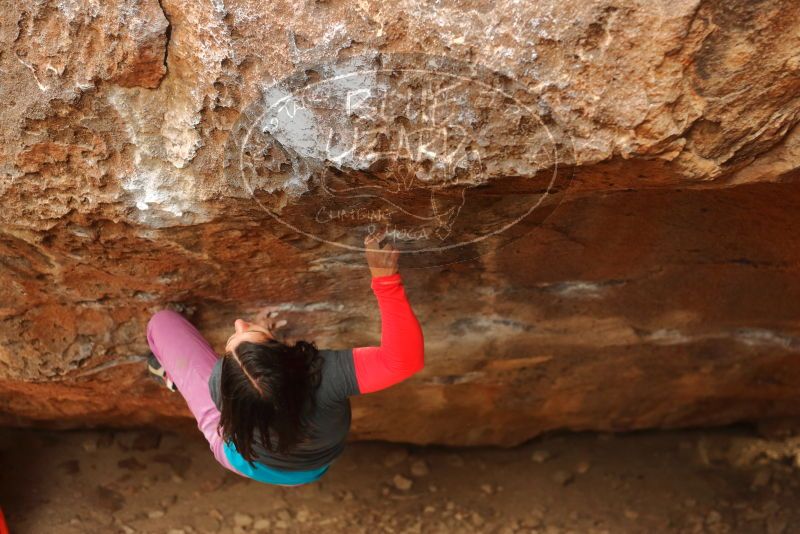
{"x":270,"y":475}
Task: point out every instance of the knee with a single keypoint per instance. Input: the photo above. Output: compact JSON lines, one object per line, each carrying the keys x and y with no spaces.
{"x":161,"y":317}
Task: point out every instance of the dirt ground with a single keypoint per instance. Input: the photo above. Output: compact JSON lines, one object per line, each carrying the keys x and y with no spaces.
{"x":737,"y":480}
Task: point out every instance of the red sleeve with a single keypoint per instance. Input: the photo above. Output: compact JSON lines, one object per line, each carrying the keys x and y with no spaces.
{"x":401,"y":353}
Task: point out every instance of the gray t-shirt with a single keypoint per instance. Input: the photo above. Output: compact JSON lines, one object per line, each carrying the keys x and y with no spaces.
{"x":329,"y":424}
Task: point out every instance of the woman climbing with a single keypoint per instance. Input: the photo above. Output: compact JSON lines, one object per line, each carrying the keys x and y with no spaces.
{"x":280,"y":413}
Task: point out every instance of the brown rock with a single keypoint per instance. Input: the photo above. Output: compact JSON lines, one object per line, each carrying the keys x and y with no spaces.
{"x":563,"y":477}
{"x":146,"y":441}
{"x":109,"y":499}
{"x":402,"y":483}
{"x":419,"y":468}
{"x":541,"y":456}
{"x":396,"y":457}
{"x":132,"y":464}
{"x":666,"y":273}
{"x":582,"y":467}
{"x":180,"y":464}
{"x":70,"y":467}
{"x":242,"y":520}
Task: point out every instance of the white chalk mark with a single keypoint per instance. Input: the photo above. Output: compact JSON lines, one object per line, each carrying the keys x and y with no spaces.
{"x":42,"y":87}
{"x":107,"y":365}
{"x":358,"y":93}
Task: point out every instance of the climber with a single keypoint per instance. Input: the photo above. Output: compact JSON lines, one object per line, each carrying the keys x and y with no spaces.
{"x":279,"y":413}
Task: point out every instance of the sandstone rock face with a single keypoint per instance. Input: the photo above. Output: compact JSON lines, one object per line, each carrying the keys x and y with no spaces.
{"x":658,"y":288}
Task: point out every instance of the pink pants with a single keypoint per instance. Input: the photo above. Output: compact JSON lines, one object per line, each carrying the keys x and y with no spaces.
{"x":188,"y":360}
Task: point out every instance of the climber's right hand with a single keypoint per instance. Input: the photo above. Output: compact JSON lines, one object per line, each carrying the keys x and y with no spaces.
{"x":382,"y":261}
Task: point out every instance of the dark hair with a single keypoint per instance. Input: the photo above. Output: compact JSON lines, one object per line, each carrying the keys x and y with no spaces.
{"x":268,"y":387}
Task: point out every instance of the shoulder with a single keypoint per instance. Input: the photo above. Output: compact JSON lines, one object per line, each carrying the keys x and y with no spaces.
{"x":214,"y":382}
{"x":335,"y":353}
{"x":337,"y":360}
{"x":216,"y":371}
{"x":338,"y":374}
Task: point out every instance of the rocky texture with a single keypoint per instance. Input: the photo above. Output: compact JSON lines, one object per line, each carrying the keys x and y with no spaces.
{"x":662,"y":291}
{"x":642,"y":482}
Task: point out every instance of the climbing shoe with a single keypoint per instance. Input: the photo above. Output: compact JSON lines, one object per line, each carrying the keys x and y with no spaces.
{"x":158,"y":372}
